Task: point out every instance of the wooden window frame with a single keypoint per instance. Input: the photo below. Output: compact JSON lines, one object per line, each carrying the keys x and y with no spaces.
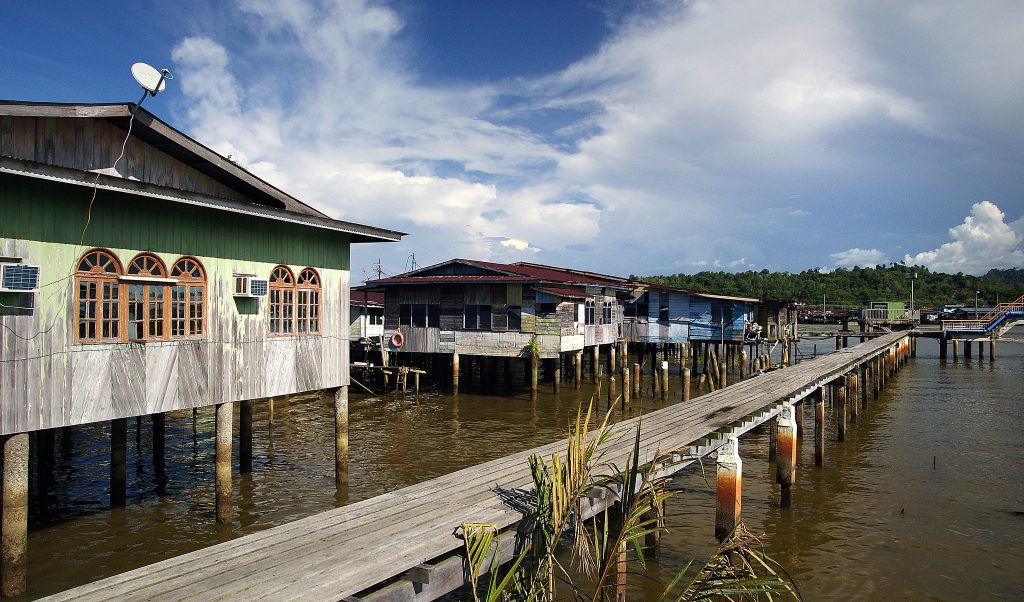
{"x":99,"y":275}
{"x":193,"y":328}
{"x":281,"y":296}
{"x":141,"y":268}
{"x":308,"y":303}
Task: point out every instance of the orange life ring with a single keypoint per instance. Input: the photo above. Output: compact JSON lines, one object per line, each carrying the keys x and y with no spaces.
{"x":397,"y":340}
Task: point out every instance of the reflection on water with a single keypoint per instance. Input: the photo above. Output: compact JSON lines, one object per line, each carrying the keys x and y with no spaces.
{"x":877,"y":522}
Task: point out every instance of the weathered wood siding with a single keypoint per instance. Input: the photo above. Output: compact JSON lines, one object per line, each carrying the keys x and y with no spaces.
{"x":653,"y":330}
{"x":90,"y":144}
{"x":47,"y":381}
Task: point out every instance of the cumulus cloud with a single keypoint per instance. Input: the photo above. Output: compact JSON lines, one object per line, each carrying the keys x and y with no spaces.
{"x":859,"y":257}
{"x":983,"y":241}
{"x":683,"y":126}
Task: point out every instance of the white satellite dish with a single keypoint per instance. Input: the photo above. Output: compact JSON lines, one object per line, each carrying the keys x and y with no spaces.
{"x":149,"y":78}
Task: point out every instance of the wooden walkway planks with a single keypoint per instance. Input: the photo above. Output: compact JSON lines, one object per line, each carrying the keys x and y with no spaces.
{"x":338,"y":553}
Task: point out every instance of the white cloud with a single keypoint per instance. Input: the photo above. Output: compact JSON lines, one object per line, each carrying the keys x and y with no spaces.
{"x":859,"y":257}
{"x":689,"y":123}
{"x":983,"y":241}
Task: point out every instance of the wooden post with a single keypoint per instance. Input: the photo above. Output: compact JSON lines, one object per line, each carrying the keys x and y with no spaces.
{"x":728,"y":488}
{"x":991,"y":349}
{"x":686,"y":383}
{"x":341,"y":436}
{"x":956,"y":349}
{"x":798,"y":415}
{"x":842,"y":411}
{"x":773,"y":432}
{"x":578,"y":368}
{"x":557,"y":376}
{"x":118,"y":467}
{"x":159,"y":434}
{"x":876,"y":377}
{"x":981,"y":350}
{"x":595,"y":364}
{"x":743,"y":365}
{"x":245,"y":436}
{"x":14,"y":538}
{"x":664,"y":380}
{"x":223,"y":462}
{"x":913,"y":347}
{"x":612,"y":367}
{"x":636,"y":380}
{"x":724,"y":379}
{"x":652,"y":540}
{"x":967,"y":349}
{"x":612,"y":390}
{"x":270,"y":410}
{"x":942,"y":348}
{"x":625,"y":386}
{"x":863,"y":385}
{"x":785,"y":462}
{"x":620,"y":572}
{"x":839,"y":343}
{"x":455,"y":372}
{"x":416,"y":379}
{"x":854,"y":396}
{"x":819,"y":427}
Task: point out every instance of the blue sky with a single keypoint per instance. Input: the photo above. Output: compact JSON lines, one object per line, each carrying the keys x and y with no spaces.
{"x":625,"y":137}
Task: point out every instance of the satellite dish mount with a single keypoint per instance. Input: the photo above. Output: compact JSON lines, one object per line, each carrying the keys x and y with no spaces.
{"x":151,"y":80}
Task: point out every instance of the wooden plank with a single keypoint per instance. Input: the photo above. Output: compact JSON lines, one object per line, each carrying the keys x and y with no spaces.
{"x":344,"y":551}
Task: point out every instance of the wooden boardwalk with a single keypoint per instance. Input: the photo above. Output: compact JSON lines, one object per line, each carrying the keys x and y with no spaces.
{"x":408,"y":537}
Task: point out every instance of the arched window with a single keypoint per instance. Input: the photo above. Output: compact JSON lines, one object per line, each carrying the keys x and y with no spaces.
{"x":97,"y":297}
{"x":188,"y":299}
{"x":308,"y":306}
{"x":282,"y":301}
{"x":147,"y":299}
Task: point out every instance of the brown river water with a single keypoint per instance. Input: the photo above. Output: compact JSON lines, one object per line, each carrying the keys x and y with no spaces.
{"x":924,"y":500}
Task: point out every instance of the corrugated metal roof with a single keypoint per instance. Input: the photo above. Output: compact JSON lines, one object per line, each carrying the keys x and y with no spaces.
{"x":568,"y":293}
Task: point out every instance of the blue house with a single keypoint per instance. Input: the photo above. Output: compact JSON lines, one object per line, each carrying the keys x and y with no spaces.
{"x":665,"y":314}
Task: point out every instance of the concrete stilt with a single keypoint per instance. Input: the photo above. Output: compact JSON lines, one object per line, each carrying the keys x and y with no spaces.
{"x":455,"y":372}
{"x":728,"y":488}
{"x":341,"y":436}
{"x":625,"y":387}
{"x":534,"y":372}
{"x":819,"y":427}
{"x":785,"y":457}
{"x":118,"y":466}
{"x":223,"y":462}
{"x":14,"y":538}
{"x":245,"y":436}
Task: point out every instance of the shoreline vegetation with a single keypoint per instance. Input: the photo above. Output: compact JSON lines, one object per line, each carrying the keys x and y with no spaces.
{"x":857,"y":286}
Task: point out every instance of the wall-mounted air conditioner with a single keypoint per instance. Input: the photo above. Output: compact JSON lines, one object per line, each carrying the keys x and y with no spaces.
{"x":249,"y":286}
{"x":19,"y":278}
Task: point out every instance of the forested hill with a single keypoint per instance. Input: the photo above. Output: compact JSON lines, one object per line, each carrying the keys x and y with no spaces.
{"x":857,"y":286}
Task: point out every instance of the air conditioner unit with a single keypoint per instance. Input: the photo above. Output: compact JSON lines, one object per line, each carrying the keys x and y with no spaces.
{"x":250,"y":286}
{"x":19,"y":278}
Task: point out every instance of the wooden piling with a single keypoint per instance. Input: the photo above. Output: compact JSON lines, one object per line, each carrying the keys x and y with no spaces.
{"x":118,"y":467}
{"x":620,"y":573}
{"x":842,"y":411}
{"x":854,"y":401}
{"x":612,"y":390}
{"x":652,"y":540}
{"x":557,"y":373}
{"x":991,"y":349}
{"x":245,"y":436}
{"x":723,"y":375}
{"x":743,"y":365}
{"x":686,"y":383}
{"x":773,"y":431}
{"x":534,"y":370}
{"x":728,"y":488}
{"x":578,"y":368}
{"x":595,"y":364}
{"x":798,"y":415}
{"x":956,"y":349}
{"x":341,"y":436}
{"x":159,"y":434}
{"x":664,"y":380}
{"x":981,"y":350}
{"x":223,"y":462}
{"x":612,"y":366}
{"x":819,"y":427}
{"x":636,"y":380}
{"x":14,"y":515}
{"x":785,"y":457}
{"x":942,"y":348}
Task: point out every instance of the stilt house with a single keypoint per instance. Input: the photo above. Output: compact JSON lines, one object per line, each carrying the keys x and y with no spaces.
{"x":664,"y":314}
